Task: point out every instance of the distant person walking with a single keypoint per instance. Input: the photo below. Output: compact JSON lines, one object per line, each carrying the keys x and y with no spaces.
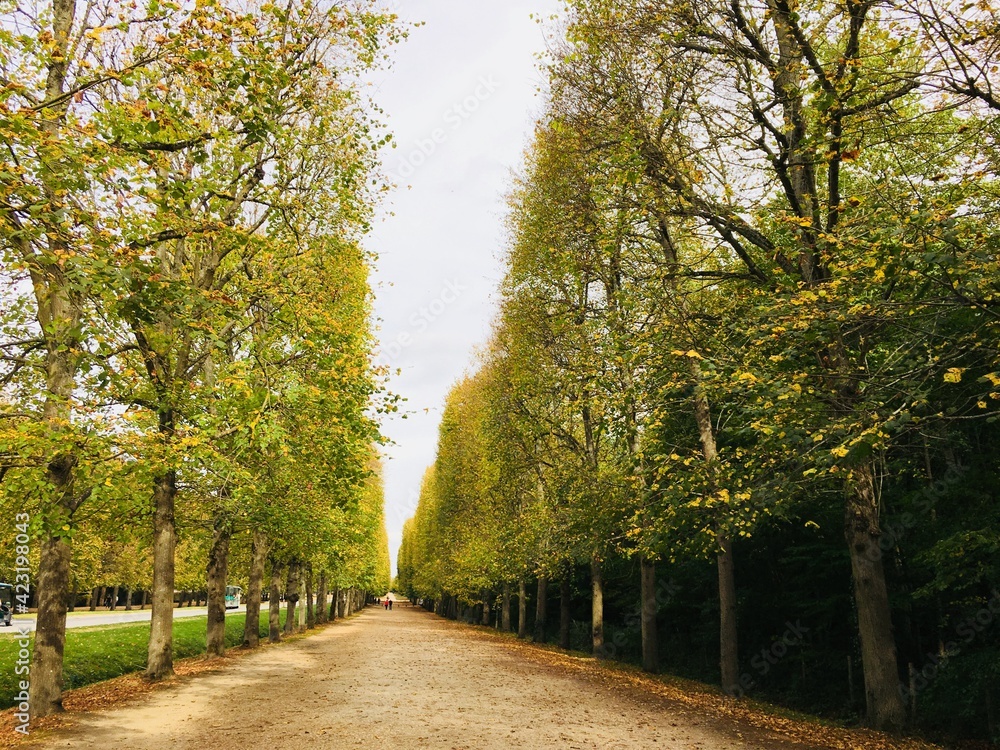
{"x":386,"y":605}
{"x":390,"y":603}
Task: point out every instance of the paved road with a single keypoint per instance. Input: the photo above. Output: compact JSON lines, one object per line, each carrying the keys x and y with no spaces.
{"x":88,"y":620}
{"x":402,"y":679}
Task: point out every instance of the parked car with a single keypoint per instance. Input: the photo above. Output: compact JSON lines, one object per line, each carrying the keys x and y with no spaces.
{"x":6,"y":603}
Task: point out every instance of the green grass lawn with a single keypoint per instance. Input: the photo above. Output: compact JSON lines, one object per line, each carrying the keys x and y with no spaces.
{"x":106,"y":651}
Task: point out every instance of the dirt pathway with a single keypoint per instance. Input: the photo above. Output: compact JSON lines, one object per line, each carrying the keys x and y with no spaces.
{"x":404,"y":679}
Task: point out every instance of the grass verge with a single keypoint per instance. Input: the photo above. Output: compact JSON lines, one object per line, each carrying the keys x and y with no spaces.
{"x":106,"y":651}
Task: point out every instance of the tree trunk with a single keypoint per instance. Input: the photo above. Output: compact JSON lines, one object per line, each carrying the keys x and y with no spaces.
{"x":274,"y":604}
{"x":729,"y":666}
{"x":95,"y":598}
{"x":886,"y":709}
{"x":303,"y":584}
{"x":50,"y":634}
{"x":522,"y":609}
{"x":334,"y":604}
{"x":597,"y":607}
{"x":291,"y":596}
{"x":258,"y":559}
{"x":59,"y":309}
{"x":728,"y":633}
{"x":114,"y":599}
{"x":142,"y":602}
{"x":342,"y":603}
{"x":321,"y":596}
{"x":647,"y":587}
{"x":564,"y":611}
{"x":541,"y":605}
{"x":160,"y":661}
{"x":505,"y":608}
{"x":310,"y":607}
{"x":486,"y":608}
{"x":216,"y":574}
{"x":128,"y":599}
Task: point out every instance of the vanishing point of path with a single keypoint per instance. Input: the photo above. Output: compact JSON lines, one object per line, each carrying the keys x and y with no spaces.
{"x":403,"y":679}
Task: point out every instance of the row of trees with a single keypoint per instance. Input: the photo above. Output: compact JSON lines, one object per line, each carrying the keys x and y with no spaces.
{"x":185,"y":369}
{"x":749,"y":316}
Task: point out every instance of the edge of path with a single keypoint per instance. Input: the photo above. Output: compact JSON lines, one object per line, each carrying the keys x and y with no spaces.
{"x":131,"y":687}
{"x":746,"y":718}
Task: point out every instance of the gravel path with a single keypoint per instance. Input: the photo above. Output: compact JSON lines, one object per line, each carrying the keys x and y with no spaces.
{"x":401,"y":679}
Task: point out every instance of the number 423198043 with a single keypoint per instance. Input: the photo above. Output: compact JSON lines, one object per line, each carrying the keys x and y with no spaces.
{"x":22,"y":576}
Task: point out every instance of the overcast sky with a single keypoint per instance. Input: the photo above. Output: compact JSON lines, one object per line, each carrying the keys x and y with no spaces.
{"x":461,"y":101}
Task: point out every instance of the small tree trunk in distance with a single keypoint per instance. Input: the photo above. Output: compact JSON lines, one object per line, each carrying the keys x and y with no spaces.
{"x":160,"y":661}
{"x":522,"y":609}
{"x":258,"y":559}
{"x":114,"y":599}
{"x":303,"y":606}
{"x":95,"y":598}
{"x":322,"y":613}
{"x":728,"y":654}
{"x":215,"y":576}
{"x":650,"y":656}
{"x":142,"y":602}
{"x":291,"y":596}
{"x":886,"y":708}
{"x":128,"y":599}
{"x":274,"y":604}
{"x":310,"y":608}
{"x":541,"y":606}
{"x":564,"y":612}
{"x":486,"y":608}
{"x":334,"y":606}
{"x":597,"y":607}
{"x":505,"y":608}
{"x":342,"y":603}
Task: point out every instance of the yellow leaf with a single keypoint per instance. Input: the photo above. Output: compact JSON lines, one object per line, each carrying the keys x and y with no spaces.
{"x":954,"y":375}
